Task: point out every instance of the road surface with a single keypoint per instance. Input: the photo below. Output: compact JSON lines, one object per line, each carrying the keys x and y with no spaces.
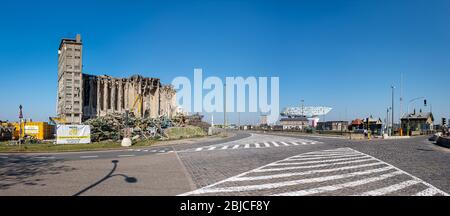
{"x":248,"y":164}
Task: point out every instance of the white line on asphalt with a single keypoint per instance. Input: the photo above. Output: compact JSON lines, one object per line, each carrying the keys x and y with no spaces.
{"x":339,"y":186}
{"x":390,"y":189}
{"x":153,"y":151}
{"x":285,"y":183}
{"x":294,"y":143}
{"x":198,"y":149}
{"x":235,"y":146}
{"x":247,"y":146}
{"x":44,"y":157}
{"x":275,"y":144}
{"x":281,"y":163}
{"x":224,"y":147}
{"x":284,"y":175}
{"x":414,"y":177}
{"x":267,"y":144}
{"x":211,"y":148}
{"x":427,"y":192}
{"x":312,"y":166}
{"x":146,"y":150}
{"x":89,"y":156}
{"x":324,"y":157}
{"x":125,"y":155}
{"x":284,"y":143}
{"x":319,"y":155}
{"x":257,"y":145}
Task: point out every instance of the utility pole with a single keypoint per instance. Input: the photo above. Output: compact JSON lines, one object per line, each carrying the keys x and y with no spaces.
{"x":401,"y":95}
{"x":392,"y":123}
{"x":303,"y":107}
{"x":20,"y":125}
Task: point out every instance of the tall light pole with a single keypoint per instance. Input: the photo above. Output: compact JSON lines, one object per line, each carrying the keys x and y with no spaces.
{"x":392,"y":120}
{"x":225,"y":106}
{"x":303,"y":107}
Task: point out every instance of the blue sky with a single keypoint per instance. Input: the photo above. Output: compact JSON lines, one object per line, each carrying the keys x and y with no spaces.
{"x":343,"y":54}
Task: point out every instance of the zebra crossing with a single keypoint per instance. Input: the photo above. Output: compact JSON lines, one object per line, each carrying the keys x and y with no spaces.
{"x":268,"y":144}
{"x":341,"y":172}
{"x":256,"y":141}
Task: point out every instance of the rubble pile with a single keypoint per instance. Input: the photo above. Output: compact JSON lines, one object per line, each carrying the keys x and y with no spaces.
{"x":114,"y":126}
{"x":6,"y":131}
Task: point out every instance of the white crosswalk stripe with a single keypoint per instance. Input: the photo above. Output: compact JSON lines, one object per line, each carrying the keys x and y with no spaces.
{"x":342,"y":171}
{"x":250,"y":144}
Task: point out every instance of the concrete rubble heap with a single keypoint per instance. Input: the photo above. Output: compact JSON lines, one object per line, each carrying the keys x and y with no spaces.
{"x":114,"y":126}
{"x":6,"y":131}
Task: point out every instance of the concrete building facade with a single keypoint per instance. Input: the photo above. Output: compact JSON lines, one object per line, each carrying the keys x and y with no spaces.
{"x":70,"y":78}
{"x":84,"y":96}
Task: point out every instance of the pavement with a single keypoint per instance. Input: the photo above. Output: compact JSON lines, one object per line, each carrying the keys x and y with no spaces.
{"x":245,"y":164}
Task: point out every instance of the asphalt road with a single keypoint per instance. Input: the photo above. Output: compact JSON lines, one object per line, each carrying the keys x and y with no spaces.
{"x":247,"y":164}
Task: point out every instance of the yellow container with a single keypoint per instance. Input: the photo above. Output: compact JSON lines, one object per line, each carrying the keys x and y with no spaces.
{"x":39,"y":130}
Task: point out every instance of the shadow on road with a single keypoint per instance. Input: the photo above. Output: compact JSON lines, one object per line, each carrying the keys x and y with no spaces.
{"x":25,"y":170}
{"x":127,"y":179}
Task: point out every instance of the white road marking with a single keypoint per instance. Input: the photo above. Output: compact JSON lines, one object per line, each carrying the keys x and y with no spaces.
{"x":257,"y":145}
{"x":146,"y":150}
{"x":275,"y":144}
{"x":324,"y":157}
{"x":390,"y":189}
{"x":38,"y":157}
{"x":126,"y":155}
{"x":427,"y":192}
{"x":247,"y":146}
{"x":321,"y":155}
{"x":312,"y":166}
{"x":235,"y":146}
{"x":89,"y":156}
{"x":153,"y":151}
{"x":360,"y":172}
{"x":198,"y":149}
{"x":339,"y":186}
{"x":211,"y":148}
{"x":224,"y":147}
{"x":323,"y":161}
{"x":285,"y":183}
{"x":284,"y":175}
{"x":267,"y":145}
{"x":284,"y":143}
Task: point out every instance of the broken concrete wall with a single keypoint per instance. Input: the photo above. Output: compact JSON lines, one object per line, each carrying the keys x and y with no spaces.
{"x":144,"y":97}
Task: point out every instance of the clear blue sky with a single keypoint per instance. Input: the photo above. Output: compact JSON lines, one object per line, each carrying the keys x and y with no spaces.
{"x":343,"y":54}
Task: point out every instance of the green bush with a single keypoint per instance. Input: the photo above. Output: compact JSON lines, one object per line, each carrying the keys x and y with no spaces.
{"x":184,"y":132}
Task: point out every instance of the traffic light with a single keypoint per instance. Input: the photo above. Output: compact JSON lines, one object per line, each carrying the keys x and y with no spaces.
{"x":444,"y":121}
{"x":425,"y":102}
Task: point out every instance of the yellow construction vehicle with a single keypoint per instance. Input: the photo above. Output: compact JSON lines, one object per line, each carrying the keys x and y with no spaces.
{"x":57,"y":121}
{"x":140,"y":100}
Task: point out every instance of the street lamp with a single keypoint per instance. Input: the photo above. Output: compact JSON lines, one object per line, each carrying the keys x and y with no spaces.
{"x":392,"y":120}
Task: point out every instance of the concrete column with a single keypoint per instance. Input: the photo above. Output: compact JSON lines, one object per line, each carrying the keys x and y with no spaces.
{"x":120,"y":97}
{"x":105,"y":96}
{"x":113,"y":95}
{"x":98,"y":96}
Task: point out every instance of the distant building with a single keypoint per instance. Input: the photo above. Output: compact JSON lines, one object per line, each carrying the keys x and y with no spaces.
{"x":333,"y":126}
{"x":83,"y":96}
{"x":296,"y":123}
{"x":418,"y":123}
{"x":374,"y":125}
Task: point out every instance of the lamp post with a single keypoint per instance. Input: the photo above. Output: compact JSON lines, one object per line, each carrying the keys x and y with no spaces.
{"x":392,"y":120}
{"x":20,"y":124}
